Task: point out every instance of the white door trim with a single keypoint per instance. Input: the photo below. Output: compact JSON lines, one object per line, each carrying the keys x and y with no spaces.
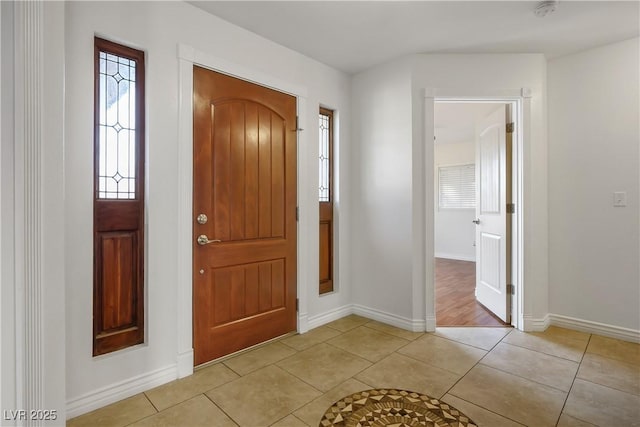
{"x":188,"y":57}
{"x":521,"y":99}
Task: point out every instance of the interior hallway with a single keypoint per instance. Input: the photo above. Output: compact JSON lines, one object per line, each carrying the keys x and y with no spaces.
{"x":497,"y":376}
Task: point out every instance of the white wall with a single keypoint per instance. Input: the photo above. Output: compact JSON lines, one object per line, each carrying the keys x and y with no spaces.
{"x":484,"y":75}
{"x":593,"y":152}
{"x":454,"y":231}
{"x":393,"y":199}
{"x":157,"y":28}
{"x":382,"y":183}
{"x":7,"y":315}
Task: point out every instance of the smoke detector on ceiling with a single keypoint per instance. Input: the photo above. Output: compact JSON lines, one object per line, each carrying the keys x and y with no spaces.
{"x":545,"y":7}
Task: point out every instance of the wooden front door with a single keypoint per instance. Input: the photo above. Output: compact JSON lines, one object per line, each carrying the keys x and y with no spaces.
{"x":244,"y":214}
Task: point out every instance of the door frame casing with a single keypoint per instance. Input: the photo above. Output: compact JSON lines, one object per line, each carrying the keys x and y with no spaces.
{"x":187,"y":58}
{"x":521,"y":101}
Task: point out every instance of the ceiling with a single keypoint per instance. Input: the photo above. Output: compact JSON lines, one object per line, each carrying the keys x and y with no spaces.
{"x":355,"y":35}
{"x":456,"y":122}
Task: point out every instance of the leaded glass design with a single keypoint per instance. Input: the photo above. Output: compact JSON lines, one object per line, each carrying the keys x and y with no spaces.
{"x":117,"y":127}
{"x":324,"y":157}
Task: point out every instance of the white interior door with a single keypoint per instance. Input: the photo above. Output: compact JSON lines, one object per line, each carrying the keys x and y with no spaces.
{"x":491,"y":215}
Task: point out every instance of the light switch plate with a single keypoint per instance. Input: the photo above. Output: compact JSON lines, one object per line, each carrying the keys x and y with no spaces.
{"x":620,"y":199}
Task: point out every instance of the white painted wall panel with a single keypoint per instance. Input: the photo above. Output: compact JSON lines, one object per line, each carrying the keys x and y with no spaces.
{"x":594,"y":141}
{"x":382,"y":201}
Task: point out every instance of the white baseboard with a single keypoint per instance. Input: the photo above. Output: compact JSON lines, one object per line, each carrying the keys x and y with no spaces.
{"x":121,"y":390}
{"x":329,"y":316}
{"x":303,"y":323}
{"x":535,"y":325}
{"x":185,"y":364}
{"x":540,"y":325}
{"x":456,"y":257}
{"x":430,"y":324}
{"x":611,"y":331}
{"x":390,"y":319}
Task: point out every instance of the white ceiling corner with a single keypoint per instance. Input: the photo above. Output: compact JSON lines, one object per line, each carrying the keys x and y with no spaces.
{"x":354,"y":35}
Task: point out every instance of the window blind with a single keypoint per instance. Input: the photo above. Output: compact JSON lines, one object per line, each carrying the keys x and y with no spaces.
{"x":457,"y":186}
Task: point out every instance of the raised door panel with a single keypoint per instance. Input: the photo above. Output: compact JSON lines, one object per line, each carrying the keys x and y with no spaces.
{"x":247,"y":172}
{"x":489,"y":170}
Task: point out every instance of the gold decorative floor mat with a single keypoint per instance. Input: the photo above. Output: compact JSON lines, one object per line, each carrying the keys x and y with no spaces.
{"x":389,"y":407}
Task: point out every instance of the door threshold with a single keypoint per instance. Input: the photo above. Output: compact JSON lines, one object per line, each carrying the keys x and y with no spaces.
{"x":244,"y":350}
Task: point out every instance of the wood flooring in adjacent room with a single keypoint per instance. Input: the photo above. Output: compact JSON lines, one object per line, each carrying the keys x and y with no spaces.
{"x":456,"y":303}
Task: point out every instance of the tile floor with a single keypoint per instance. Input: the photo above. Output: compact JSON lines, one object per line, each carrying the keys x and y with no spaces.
{"x":497,"y":376}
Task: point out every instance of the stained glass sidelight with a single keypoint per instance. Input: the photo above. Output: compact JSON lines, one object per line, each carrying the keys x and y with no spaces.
{"x":325,"y":157}
{"x":116,"y":127}
{"x":118,"y":205}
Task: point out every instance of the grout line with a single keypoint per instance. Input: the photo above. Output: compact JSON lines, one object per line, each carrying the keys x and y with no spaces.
{"x":609,"y":387}
{"x":435,"y":366}
{"x":150,"y":401}
{"x":476,"y":364}
{"x":529,"y":379}
{"x":470,"y":345}
{"x":298,"y":418}
{"x":392,"y":335}
{"x":143,"y":418}
{"x":544,"y":352}
{"x":564,"y":404}
{"x":222,"y":410}
{"x":486,"y":409}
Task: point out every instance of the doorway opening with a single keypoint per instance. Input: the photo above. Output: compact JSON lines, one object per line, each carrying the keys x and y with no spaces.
{"x":473,"y":208}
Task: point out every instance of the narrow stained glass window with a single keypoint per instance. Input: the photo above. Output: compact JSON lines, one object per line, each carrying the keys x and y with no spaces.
{"x":117,"y":127}
{"x":118,"y":202}
{"x":325,"y":139}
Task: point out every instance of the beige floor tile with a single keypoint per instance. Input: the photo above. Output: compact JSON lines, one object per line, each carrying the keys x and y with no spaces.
{"x":121,"y":413}
{"x":404,"y":373}
{"x":368,"y":343}
{"x":392,"y":330}
{"x":183,"y":389}
{"x":602,"y":405}
{"x":554,"y":343}
{"x":311,"y":338}
{"x":539,"y":367}
{"x":516,"y":398}
{"x":324,"y":366}
{"x":484,"y":338}
{"x":443,"y":353}
{"x":615,"y":349}
{"x":262,"y":397}
{"x":480,"y":416}
{"x":290,"y":421}
{"x":197,"y":411}
{"x":312,"y":412}
{"x":347,"y":323}
{"x":569,"y":421}
{"x":611,"y":373}
{"x":258,"y":358}
{"x":558,"y":332}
